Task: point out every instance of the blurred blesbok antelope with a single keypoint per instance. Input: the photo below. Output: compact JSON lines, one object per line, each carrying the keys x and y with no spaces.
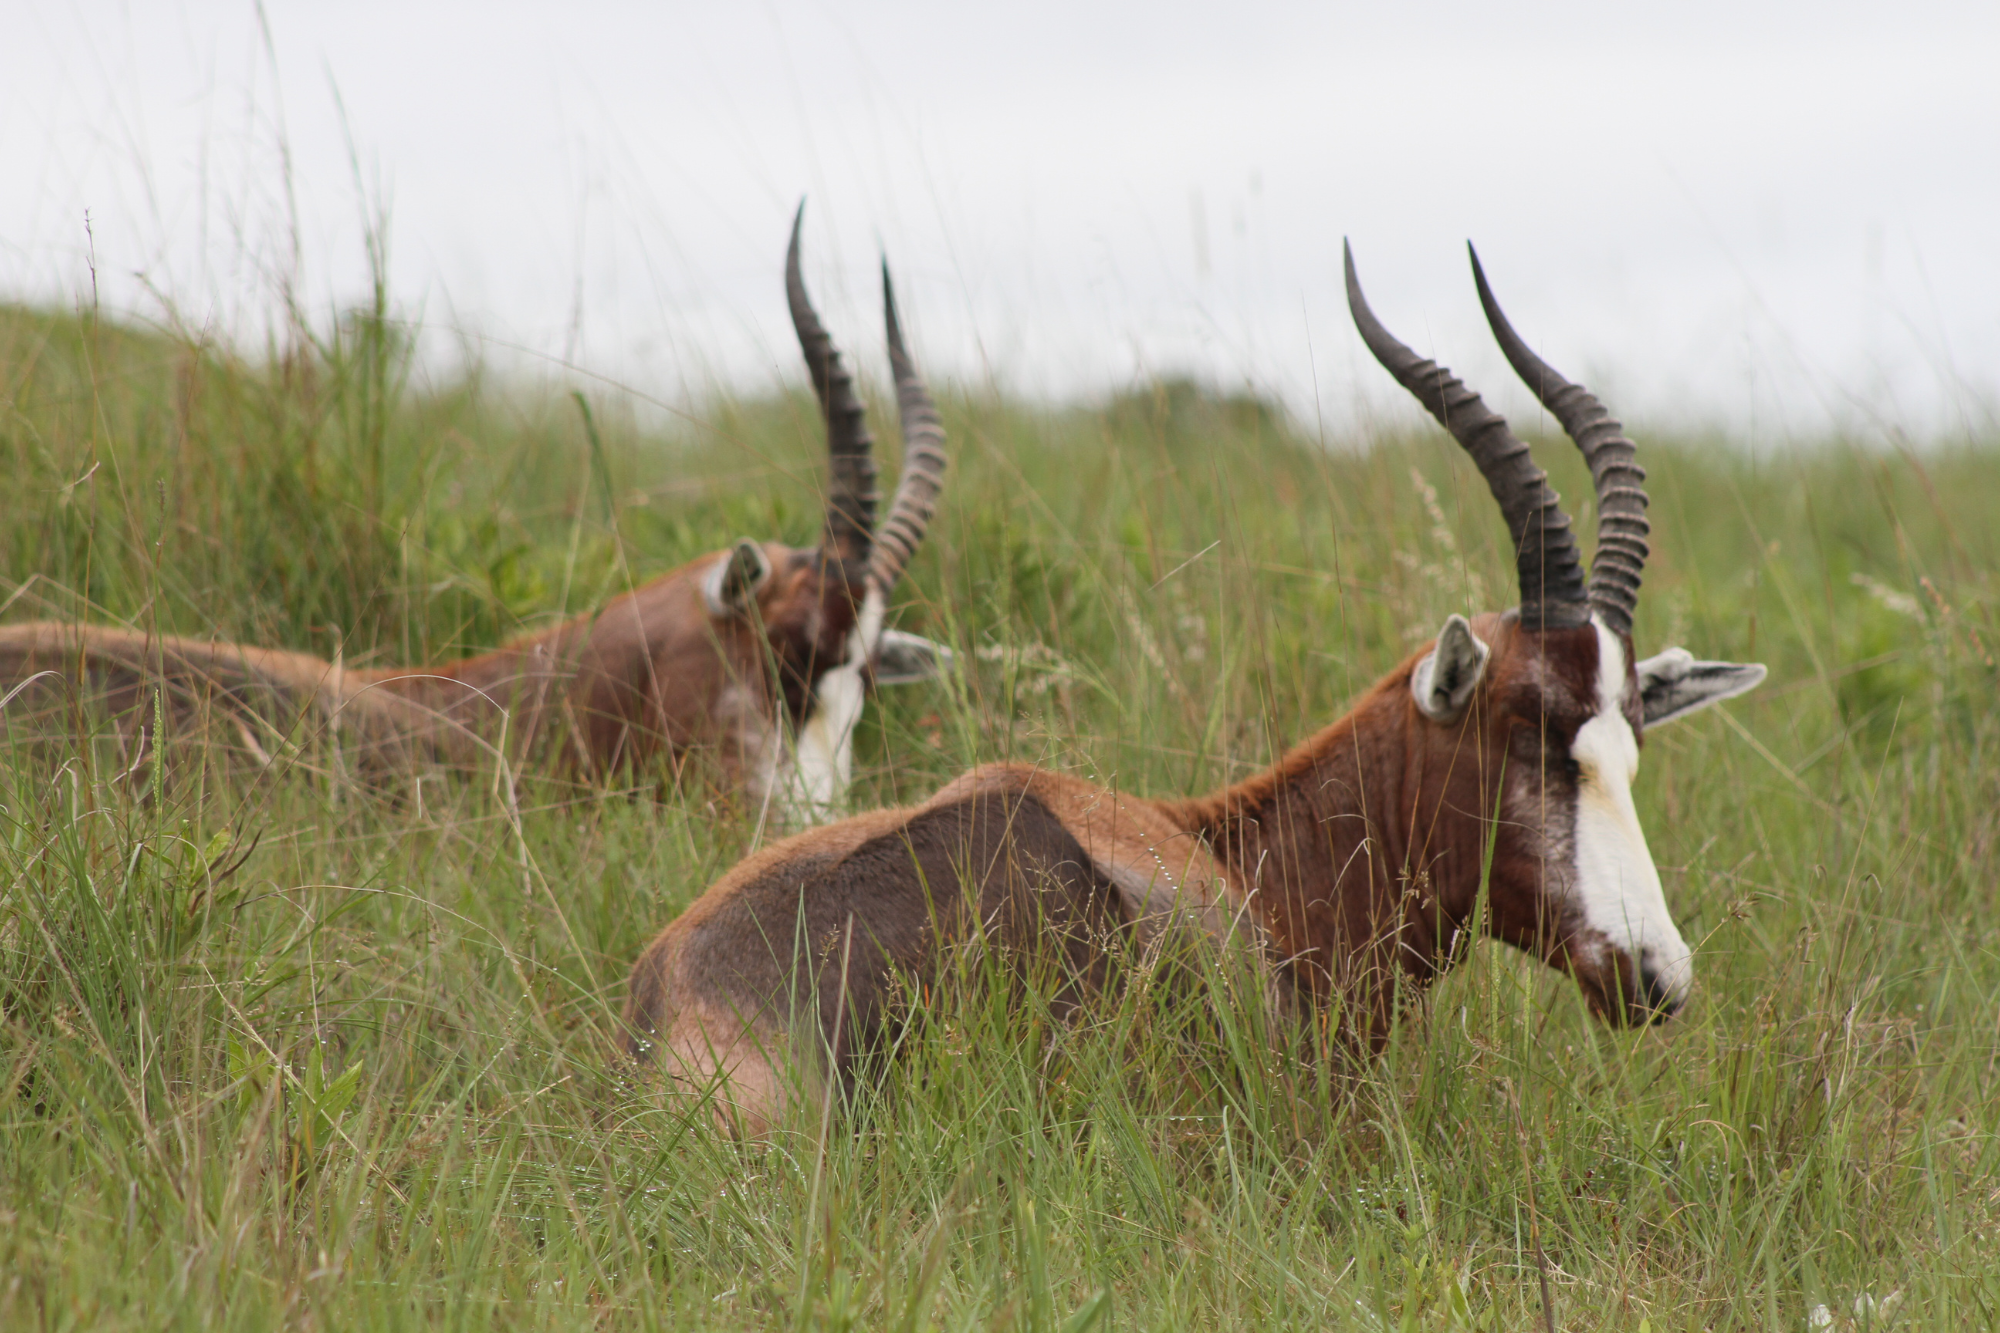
{"x":1355,"y":864}
{"x":759,"y":655}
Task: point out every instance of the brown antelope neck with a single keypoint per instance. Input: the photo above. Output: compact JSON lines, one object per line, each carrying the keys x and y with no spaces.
{"x":756,"y":656}
{"x":1364,"y":846}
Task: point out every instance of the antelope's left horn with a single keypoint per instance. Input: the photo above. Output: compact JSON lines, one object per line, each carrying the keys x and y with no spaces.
{"x":924,"y":458}
{"x":1620,"y":559}
{"x":850,"y":482}
{"x":1545,"y":557}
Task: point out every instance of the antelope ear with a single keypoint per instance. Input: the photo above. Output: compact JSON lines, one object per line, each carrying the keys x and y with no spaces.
{"x":1444,"y":680}
{"x":903,"y":658}
{"x":732,"y":583}
{"x":1674,"y":684}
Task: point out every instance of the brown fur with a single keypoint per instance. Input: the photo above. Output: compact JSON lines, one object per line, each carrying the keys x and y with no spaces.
{"x":1355,"y":862}
{"x":651,"y":674}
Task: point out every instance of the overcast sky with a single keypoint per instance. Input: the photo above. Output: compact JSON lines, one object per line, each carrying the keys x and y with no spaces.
{"x":1768,"y":216}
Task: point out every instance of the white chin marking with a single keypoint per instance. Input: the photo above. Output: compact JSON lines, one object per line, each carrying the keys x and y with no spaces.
{"x":823,"y":761}
{"x":1617,"y":887}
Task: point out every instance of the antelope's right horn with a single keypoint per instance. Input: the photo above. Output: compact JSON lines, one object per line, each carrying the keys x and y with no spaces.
{"x":924,"y":458}
{"x":1620,"y":559}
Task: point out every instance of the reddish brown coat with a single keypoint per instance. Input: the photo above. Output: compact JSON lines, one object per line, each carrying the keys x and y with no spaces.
{"x":1354,"y":861}
{"x":653,"y":673}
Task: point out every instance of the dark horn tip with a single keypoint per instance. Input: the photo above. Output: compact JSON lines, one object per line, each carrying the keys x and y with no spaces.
{"x":805,"y":320}
{"x":890,"y":315}
{"x":1555,"y":393}
{"x":1381,"y":342}
{"x":1496,"y":319}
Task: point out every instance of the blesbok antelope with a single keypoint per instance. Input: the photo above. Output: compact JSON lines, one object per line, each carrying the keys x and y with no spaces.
{"x":1356,"y":862}
{"x":759,"y":655}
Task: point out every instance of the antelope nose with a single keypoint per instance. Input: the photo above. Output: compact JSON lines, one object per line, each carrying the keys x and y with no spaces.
{"x":1660,"y":993}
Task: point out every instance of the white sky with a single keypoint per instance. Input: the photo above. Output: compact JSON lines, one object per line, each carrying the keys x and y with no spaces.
{"x":1767,"y":216}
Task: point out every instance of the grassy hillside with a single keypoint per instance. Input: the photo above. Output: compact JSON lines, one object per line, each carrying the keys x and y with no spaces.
{"x":366,"y":1080}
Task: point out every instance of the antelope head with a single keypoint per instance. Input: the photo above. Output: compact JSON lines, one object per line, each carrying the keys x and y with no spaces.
{"x":1548,"y":704}
{"x":820,"y":609}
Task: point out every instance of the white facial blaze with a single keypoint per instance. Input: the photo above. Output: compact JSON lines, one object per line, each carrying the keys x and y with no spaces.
{"x":1617,"y":887}
{"x":823,"y":760}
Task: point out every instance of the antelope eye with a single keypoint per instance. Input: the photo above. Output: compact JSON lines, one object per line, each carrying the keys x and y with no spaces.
{"x":1524,"y":739}
{"x":1529,"y":748}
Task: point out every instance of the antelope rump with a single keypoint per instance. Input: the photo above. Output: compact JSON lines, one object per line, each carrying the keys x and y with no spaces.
{"x":1484,"y":784}
{"x":758,"y":656}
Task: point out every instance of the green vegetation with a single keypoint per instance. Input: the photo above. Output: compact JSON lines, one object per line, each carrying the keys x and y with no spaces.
{"x":366,"y":1079}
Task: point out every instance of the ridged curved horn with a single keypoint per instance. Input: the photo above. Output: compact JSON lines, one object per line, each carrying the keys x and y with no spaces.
{"x":924,"y":458}
{"x":1545,"y":556}
{"x":1620,"y":558}
{"x":850,"y":481}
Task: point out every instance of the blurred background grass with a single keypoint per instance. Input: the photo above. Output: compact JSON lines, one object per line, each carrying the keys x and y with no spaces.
{"x":367,"y":1079}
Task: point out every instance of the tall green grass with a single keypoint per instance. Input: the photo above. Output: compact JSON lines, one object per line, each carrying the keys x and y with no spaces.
{"x":366,"y":1078}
